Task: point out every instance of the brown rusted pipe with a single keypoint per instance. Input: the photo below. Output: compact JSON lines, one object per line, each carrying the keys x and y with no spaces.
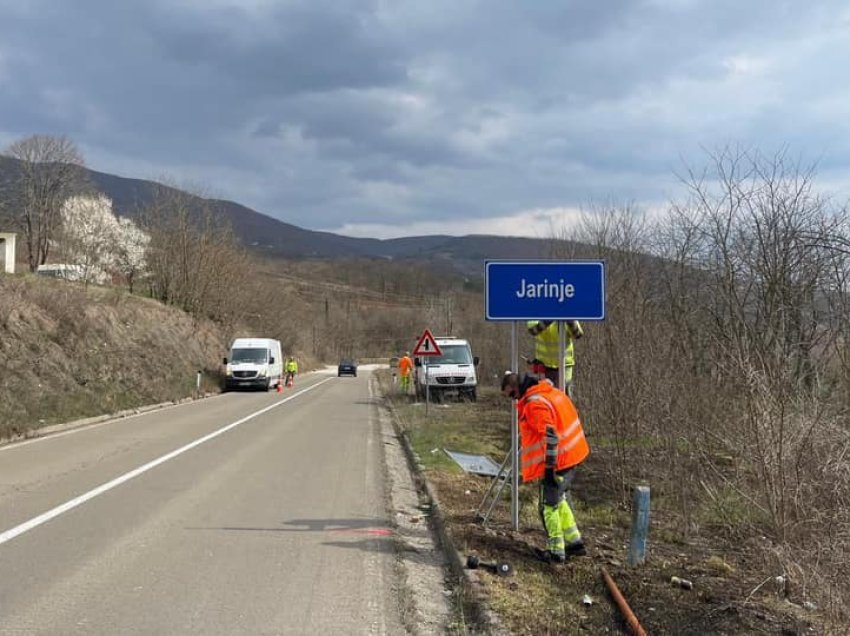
{"x":625,"y":610}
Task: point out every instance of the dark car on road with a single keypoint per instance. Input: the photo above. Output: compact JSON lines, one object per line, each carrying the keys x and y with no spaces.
{"x":347,"y":367}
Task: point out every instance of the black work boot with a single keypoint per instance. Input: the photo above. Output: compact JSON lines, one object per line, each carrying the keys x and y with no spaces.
{"x":547,"y":556}
{"x":557,"y":556}
{"x":575,"y":549}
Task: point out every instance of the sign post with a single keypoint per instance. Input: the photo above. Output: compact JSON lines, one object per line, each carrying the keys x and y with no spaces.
{"x":426,"y":347}
{"x":515,"y":465}
{"x":540,"y":290}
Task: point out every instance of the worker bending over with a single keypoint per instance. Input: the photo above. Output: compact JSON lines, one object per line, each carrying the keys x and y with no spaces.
{"x":552,"y":446}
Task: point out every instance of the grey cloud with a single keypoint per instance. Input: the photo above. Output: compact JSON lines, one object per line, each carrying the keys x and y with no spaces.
{"x":384,"y":112}
{"x":296,"y":48}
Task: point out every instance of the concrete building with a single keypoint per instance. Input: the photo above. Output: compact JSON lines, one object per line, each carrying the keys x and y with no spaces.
{"x":7,"y":240}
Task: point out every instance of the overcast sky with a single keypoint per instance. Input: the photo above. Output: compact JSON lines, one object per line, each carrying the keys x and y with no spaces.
{"x":401,"y":117}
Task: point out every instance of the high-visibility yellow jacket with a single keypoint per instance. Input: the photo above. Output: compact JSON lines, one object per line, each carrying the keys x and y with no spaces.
{"x":550,"y":431}
{"x":291,"y":366}
{"x":546,"y":341}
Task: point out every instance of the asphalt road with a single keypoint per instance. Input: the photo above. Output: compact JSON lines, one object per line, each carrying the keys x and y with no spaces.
{"x":194,"y":519}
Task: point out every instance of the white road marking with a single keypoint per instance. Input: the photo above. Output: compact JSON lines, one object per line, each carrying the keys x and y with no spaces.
{"x":26,"y":526}
{"x":87,"y":427}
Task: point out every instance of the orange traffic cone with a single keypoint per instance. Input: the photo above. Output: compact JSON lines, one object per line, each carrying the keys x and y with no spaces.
{"x":280,"y":387}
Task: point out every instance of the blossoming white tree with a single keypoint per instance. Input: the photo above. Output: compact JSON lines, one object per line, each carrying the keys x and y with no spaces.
{"x":98,"y":242}
{"x":131,"y":247}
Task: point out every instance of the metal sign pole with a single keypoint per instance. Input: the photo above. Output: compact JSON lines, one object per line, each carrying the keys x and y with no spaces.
{"x":562,"y":343}
{"x":514,"y":437}
{"x":427,"y":384}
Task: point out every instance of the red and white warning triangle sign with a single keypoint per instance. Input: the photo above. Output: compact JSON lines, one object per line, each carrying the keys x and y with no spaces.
{"x":427,"y":346}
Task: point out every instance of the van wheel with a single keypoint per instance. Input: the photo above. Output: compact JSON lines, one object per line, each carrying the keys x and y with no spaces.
{"x":268,"y":384}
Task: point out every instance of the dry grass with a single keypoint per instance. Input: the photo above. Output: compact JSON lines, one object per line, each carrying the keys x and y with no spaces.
{"x":68,"y":352}
{"x":542,"y":599}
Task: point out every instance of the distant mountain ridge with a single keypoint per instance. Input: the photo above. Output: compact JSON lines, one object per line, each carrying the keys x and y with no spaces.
{"x":275,"y":238}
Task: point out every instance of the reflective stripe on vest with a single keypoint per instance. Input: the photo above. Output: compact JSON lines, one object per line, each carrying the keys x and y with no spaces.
{"x":571,"y":445}
{"x":563,"y":449}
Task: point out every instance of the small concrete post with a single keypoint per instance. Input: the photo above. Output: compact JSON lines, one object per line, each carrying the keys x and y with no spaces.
{"x":198,"y":385}
{"x":640,"y":525}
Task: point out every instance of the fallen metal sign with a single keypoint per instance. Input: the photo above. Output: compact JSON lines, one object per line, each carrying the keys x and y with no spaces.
{"x":475,"y":464}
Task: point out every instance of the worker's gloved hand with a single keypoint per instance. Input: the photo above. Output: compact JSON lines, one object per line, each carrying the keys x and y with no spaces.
{"x":549,"y":477}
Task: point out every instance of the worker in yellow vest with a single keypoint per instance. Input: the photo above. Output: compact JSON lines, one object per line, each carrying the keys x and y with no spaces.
{"x":552,"y":445}
{"x":546,"y":352}
{"x":290,"y":368}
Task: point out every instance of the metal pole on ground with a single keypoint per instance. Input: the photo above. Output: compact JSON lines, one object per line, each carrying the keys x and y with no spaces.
{"x":623,"y":605}
{"x":514,"y":437}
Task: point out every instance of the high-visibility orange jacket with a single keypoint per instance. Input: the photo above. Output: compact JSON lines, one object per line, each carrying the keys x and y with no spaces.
{"x":405,"y":365}
{"x":549,"y":429}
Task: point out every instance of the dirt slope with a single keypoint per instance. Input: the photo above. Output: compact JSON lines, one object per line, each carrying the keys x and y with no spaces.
{"x":69,"y":352}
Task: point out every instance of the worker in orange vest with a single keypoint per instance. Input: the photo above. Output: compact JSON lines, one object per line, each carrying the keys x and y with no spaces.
{"x":405,"y":369}
{"x":552,"y":445}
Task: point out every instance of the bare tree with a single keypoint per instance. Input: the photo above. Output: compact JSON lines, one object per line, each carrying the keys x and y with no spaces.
{"x":49,"y":169}
{"x":194,"y":260}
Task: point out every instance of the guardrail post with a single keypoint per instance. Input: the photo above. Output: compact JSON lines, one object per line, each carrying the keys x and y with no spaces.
{"x":640,"y":525}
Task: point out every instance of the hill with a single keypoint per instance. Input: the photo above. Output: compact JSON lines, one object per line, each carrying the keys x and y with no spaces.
{"x":276,"y":238}
{"x":272,"y":237}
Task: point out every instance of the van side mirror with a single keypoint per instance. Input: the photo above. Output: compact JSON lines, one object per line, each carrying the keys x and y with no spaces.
{"x":271,"y":360}
{"x":224,"y":360}
{"x":476,"y":360}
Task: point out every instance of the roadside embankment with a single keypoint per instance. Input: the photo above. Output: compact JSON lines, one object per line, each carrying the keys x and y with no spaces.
{"x":70,"y":352}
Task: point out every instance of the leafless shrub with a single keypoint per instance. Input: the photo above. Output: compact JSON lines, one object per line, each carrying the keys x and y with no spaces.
{"x":721,"y":371}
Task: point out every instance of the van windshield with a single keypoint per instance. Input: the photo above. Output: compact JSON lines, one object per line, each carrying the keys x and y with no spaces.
{"x":256,"y":356}
{"x":452,"y":354}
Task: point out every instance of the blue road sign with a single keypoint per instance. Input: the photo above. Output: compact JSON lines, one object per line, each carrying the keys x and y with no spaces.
{"x":544,"y":290}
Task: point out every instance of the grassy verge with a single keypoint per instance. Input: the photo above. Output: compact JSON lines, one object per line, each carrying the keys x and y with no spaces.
{"x":546,"y":599}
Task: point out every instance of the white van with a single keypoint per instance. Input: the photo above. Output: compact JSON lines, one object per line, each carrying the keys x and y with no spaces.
{"x":449,"y":374}
{"x":73,"y":272}
{"x":253,"y":362}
